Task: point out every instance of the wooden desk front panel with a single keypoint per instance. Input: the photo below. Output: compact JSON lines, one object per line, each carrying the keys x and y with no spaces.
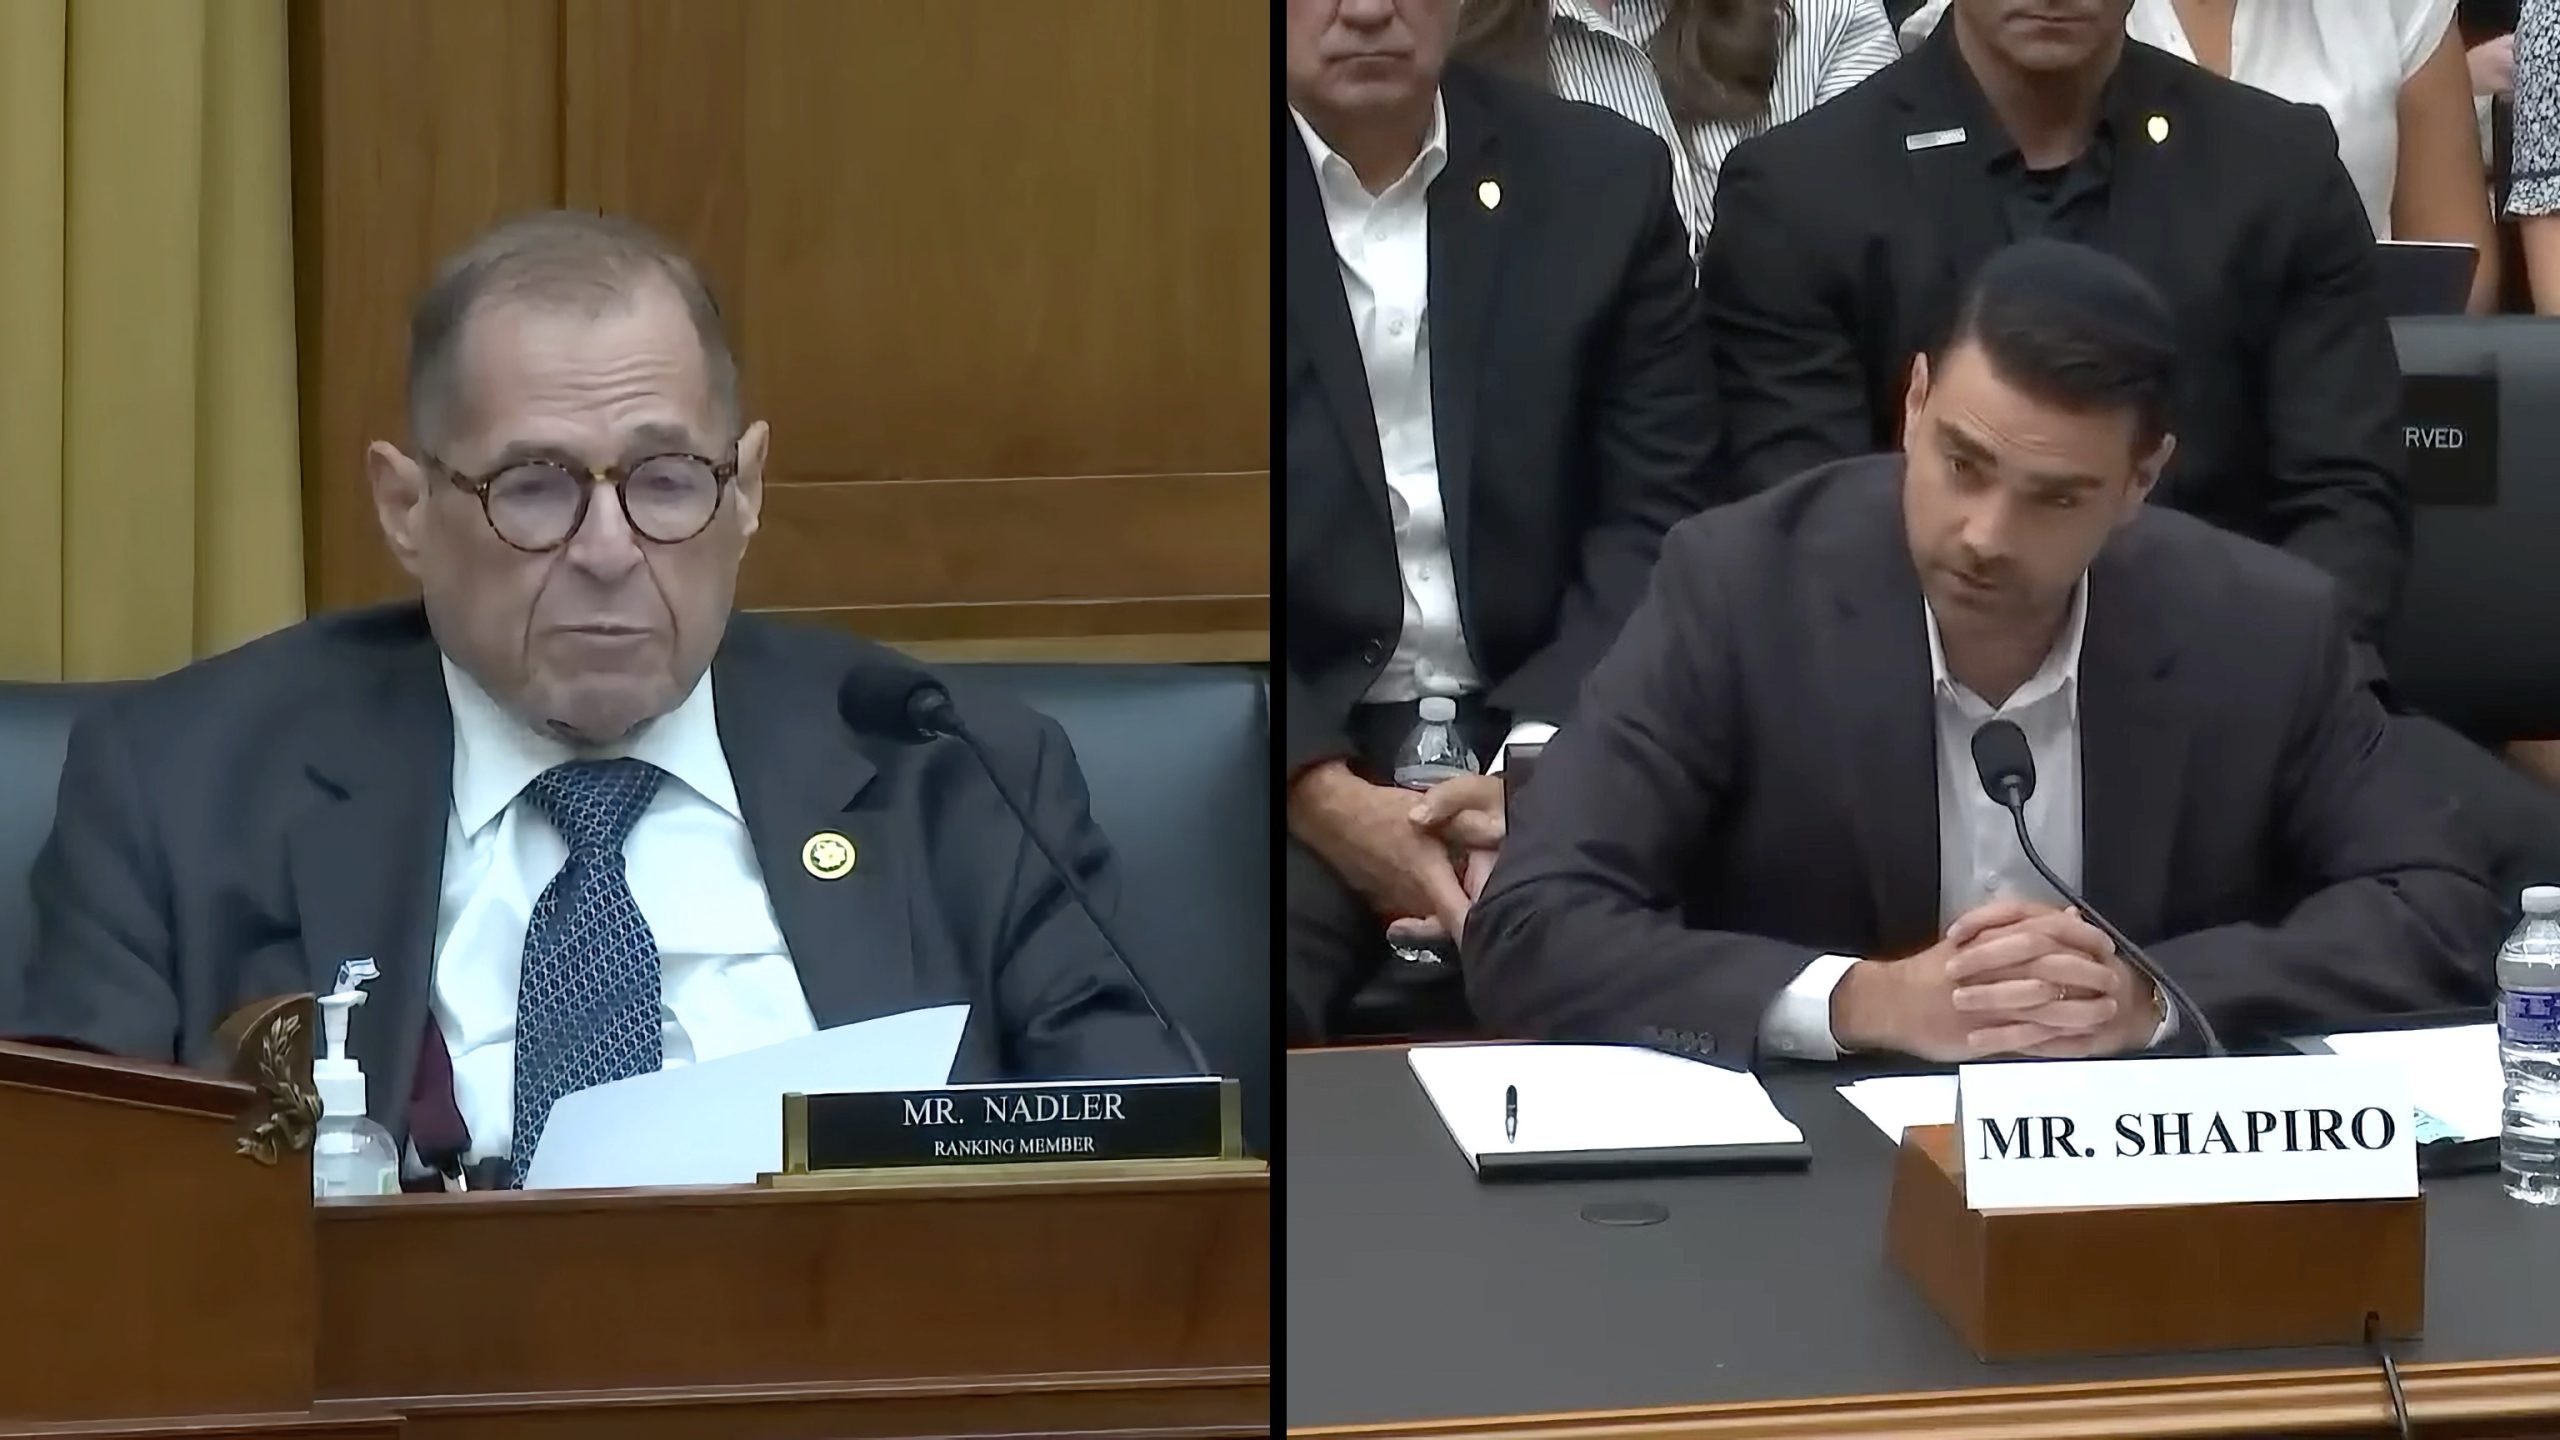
{"x":494,"y":1295}
{"x":998,"y":274}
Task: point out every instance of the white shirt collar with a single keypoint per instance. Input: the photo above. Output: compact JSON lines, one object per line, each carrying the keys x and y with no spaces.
{"x":1341,"y":183}
{"x":2061,"y":665}
{"x":496,"y":755}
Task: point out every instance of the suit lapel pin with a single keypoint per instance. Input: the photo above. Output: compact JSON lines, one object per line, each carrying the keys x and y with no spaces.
{"x":828,"y":855}
{"x":1489,"y":195}
{"x":2158,"y":128}
{"x":1933,"y":139}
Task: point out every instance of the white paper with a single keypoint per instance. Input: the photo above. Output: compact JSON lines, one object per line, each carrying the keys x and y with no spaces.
{"x":1593,"y":1097}
{"x":1897,"y":1102}
{"x":2454,"y":1076}
{"x":2255,"y":1129}
{"x":720,"y":1122}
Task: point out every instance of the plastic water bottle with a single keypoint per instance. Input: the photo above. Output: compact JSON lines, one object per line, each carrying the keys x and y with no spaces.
{"x":1432,"y":753}
{"x":2529,"y":1049}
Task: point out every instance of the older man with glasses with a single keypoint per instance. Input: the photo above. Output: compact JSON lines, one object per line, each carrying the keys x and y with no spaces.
{"x":587,"y":821}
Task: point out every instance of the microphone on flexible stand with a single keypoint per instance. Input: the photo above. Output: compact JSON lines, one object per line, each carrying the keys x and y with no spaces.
{"x":2006,"y":765}
{"x":904,"y":703}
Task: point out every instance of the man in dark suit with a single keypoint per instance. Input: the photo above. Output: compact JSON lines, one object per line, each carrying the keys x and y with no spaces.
{"x":1494,"y":412}
{"x":586,"y":821}
{"x":1843,"y":242}
{"x":1763,"y":834}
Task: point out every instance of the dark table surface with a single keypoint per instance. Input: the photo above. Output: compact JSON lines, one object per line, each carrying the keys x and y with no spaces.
{"x":1416,"y":1293}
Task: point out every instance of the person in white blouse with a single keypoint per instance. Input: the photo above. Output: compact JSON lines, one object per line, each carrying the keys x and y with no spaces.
{"x":2393,"y":77}
{"x":1703,"y":75}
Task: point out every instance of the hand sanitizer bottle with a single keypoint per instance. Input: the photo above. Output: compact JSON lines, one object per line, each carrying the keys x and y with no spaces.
{"x":350,"y":1155}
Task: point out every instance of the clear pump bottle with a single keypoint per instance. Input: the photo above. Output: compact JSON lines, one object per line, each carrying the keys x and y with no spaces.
{"x":350,"y":1154}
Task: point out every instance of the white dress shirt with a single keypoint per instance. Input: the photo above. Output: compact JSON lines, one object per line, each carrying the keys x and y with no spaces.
{"x":1382,"y":244}
{"x":1829,"y":46}
{"x":1978,"y":856}
{"x":2349,"y":57}
{"x":728,"y":983}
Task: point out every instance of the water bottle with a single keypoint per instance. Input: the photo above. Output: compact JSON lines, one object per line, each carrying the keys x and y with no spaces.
{"x":1432,"y":753}
{"x":2529,"y":1050}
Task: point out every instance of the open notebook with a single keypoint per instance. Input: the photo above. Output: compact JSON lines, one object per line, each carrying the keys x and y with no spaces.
{"x":1595,"y":1110}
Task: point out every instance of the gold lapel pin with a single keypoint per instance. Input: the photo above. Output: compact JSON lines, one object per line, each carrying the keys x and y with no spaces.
{"x":828,"y":855}
{"x":1489,"y":194}
{"x":2158,"y":126}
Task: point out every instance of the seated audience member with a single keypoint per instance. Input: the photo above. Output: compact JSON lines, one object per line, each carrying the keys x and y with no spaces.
{"x":1844,"y":239}
{"x":1701,"y":74}
{"x":570,"y":804}
{"x":1494,"y":412}
{"x":1764,"y":833}
{"x":2393,"y":77}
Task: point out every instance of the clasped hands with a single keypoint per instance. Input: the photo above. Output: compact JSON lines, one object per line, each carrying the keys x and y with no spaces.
{"x":1419,"y":858}
{"x":2012,"y":977}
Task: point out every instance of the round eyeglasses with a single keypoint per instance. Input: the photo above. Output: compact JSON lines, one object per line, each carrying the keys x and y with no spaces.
{"x":537,"y":505}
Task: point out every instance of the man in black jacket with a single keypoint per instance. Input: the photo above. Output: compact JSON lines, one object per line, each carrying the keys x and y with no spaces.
{"x":1764,"y":834}
{"x":1495,"y":410}
{"x":1844,"y":239}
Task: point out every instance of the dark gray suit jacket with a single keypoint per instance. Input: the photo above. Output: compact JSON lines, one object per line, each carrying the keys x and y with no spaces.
{"x":1751,"y":782}
{"x":235,"y":829}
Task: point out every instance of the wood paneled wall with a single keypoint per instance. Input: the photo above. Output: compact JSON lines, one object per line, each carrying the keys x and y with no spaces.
{"x":997,"y":271}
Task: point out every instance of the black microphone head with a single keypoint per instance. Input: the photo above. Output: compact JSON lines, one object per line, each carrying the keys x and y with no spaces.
{"x":891,"y":697}
{"x":2004,"y":762}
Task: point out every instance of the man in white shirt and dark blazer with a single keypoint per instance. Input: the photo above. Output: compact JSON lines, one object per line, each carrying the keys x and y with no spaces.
{"x":587,"y":821}
{"x":1764,"y":837}
{"x":1497,"y":402}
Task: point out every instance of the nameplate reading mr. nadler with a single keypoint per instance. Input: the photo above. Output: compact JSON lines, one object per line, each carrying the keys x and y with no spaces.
{"x":1016,"y":1124}
{"x":2184,"y":1132}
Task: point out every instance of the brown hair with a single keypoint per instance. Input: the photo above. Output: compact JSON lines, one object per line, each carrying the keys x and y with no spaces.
{"x":1715,"y":59}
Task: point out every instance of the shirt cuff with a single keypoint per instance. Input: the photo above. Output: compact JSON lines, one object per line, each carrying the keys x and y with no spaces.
{"x":1797,"y":1024}
{"x":1527,"y":732}
{"x":2168,"y":1025}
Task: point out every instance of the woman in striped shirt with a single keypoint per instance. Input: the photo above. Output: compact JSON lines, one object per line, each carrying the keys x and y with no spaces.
{"x":1704,"y":75}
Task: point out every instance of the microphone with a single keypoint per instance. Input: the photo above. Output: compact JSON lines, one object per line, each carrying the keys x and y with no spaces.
{"x":2006,"y":766}
{"x":904,"y":703}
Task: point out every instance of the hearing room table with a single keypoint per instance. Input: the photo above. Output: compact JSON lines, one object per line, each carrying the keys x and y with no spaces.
{"x":1763,"y":1306}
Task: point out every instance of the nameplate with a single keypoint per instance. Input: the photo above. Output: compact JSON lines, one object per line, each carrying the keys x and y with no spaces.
{"x":2184,"y":1132}
{"x":1186,"y":1119}
{"x":2449,"y":429}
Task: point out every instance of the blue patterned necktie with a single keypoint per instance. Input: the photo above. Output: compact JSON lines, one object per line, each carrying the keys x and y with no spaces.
{"x":587,"y":1001}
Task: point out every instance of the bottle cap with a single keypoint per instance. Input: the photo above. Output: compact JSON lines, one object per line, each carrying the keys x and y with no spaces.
{"x":1438,"y":710}
{"x":2542,"y":899}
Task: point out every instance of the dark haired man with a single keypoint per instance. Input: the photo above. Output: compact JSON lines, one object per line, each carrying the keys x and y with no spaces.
{"x":576,"y":810}
{"x":1763,"y":834}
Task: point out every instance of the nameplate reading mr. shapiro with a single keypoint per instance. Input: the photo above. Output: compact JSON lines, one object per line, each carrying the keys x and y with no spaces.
{"x":1016,"y":1124}
{"x":2184,"y":1132}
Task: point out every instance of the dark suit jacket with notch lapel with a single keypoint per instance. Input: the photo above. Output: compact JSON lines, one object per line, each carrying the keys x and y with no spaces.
{"x":1839,"y":253}
{"x":1751,"y":782}
{"x":235,"y":829}
{"x":1573,"y":423}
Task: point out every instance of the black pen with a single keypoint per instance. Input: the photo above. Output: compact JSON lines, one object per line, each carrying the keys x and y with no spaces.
{"x":1510,"y":1112}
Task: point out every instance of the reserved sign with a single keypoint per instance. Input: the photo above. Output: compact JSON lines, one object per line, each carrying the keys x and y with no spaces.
{"x":1183,"y":1119}
{"x":2184,"y":1132}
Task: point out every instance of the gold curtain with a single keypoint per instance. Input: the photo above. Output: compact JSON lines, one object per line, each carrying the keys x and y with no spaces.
{"x":150,"y":502}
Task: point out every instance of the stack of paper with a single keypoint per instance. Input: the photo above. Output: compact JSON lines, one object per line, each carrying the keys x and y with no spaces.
{"x":1594,"y":1109}
{"x":1898,"y":1102}
{"x":2455,"y":1081}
